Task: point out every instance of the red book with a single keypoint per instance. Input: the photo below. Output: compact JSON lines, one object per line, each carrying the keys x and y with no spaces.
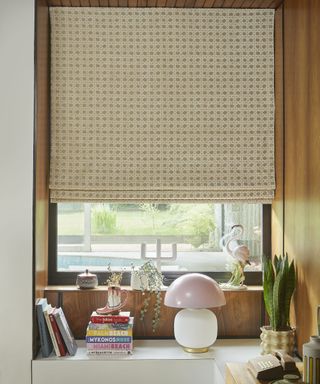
{"x":57,"y":334}
{"x":107,"y":319}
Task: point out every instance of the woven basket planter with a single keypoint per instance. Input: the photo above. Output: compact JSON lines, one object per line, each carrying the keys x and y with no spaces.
{"x":272,"y":340}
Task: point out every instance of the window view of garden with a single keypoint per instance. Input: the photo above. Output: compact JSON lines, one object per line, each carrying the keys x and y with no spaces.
{"x":98,"y":235}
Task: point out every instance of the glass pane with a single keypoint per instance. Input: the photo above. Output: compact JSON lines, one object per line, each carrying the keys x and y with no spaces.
{"x":97,"y":235}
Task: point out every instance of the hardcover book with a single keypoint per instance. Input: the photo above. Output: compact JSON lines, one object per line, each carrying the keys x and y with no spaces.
{"x":108,"y":339}
{"x":109,"y":332}
{"x":111,"y":347}
{"x":46,"y":313}
{"x":123,"y":317}
{"x":111,"y":326}
{"x":45,"y":338}
{"x":65,"y":331}
{"x":57,"y":334}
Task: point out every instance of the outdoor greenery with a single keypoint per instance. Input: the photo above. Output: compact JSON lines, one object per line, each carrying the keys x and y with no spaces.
{"x":103,"y":219}
{"x":279,"y":281}
{"x":193,"y":221}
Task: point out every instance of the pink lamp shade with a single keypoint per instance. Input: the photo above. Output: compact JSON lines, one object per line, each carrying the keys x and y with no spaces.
{"x":196,"y":291}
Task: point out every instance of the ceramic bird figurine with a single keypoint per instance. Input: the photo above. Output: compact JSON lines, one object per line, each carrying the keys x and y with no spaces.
{"x":239,"y":252}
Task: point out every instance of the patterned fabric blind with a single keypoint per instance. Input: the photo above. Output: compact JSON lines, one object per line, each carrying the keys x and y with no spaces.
{"x":162,"y":104}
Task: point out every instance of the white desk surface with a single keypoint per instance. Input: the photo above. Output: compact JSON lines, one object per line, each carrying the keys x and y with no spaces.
{"x":223,"y":351}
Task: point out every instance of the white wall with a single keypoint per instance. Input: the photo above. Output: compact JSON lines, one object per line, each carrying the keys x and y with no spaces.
{"x":16,"y":152}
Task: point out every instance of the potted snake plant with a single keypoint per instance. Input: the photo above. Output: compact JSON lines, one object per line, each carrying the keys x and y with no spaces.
{"x":279,"y":282}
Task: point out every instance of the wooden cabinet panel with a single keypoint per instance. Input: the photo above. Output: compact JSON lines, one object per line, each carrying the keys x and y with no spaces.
{"x":302,"y":156}
{"x":241,"y":317}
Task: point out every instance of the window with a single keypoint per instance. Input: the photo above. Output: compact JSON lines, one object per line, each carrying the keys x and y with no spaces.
{"x":109,"y":236}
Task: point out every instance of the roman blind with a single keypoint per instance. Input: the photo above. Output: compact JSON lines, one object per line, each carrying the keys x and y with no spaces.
{"x":162,"y":104}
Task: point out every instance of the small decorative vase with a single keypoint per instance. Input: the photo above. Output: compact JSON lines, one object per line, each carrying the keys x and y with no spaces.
{"x":87,"y":280}
{"x":272,"y":340}
{"x":311,"y":361}
{"x":117,"y":299}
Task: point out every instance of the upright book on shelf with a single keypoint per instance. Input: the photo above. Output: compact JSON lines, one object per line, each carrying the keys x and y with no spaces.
{"x":46,"y":312}
{"x":65,"y":331}
{"x":45,"y":338}
{"x":57,"y":334}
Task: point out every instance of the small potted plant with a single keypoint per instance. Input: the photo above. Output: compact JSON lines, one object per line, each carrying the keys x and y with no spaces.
{"x":279,"y":281}
{"x":148,"y":279}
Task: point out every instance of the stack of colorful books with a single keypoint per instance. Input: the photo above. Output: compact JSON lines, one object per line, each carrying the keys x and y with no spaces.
{"x":108,"y":334}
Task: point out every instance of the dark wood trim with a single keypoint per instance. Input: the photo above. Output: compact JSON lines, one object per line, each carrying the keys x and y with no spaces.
{"x":278,"y":202}
{"x":169,"y":3}
{"x":69,"y":278}
{"x":41,"y":156}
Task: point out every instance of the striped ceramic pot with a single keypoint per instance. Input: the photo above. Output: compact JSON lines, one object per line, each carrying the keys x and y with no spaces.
{"x":272,"y":340}
{"x":311,"y":361}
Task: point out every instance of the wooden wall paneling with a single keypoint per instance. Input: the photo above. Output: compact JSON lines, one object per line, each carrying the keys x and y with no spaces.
{"x":237,"y":3}
{"x":94,"y":3}
{"x":234,"y":320}
{"x":179,"y":3}
{"x":247,"y":4}
{"x":189,"y":3}
{"x":123,"y":3}
{"x":75,"y":3}
{"x":199,"y":3}
{"x":264,"y":3}
{"x":243,"y":314}
{"x":227,"y":3}
{"x":208,"y":3}
{"x":218,"y":3}
{"x":84,"y":3}
{"x":302,"y":156}
{"x":276,"y":3}
{"x":169,"y":3}
{"x":41,"y":160}
{"x":277,"y":216}
{"x":41,"y":192}
{"x":55,"y":3}
{"x":132,"y":3}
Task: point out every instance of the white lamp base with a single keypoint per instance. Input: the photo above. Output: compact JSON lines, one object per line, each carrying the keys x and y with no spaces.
{"x":195,"y":329}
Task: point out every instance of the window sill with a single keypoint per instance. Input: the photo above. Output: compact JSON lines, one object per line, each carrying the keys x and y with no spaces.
{"x":74,"y":288}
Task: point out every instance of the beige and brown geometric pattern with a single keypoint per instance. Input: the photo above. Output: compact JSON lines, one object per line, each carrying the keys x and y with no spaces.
{"x":162,"y":104}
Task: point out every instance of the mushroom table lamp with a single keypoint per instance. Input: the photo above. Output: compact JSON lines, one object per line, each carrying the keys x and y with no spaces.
{"x":195,"y":326}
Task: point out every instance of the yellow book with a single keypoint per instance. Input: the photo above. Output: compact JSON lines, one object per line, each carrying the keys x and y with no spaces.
{"x":109,"y":332}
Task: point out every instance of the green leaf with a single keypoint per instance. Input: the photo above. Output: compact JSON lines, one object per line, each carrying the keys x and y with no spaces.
{"x":268,"y":283}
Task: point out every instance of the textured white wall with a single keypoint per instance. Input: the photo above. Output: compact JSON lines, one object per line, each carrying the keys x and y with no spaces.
{"x":16,"y":152}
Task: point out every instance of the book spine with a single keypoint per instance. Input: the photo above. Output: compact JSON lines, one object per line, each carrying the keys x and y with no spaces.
{"x":111,"y":347}
{"x":57,"y":334}
{"x":109,"y":353}
{"x":45,"y":338}
{"x":53,"y":339}
{"x":111,"y":326}
{"x":109,"y":332}
{"x":108,"y":339}
{"x":109,"y":319}
{"x":65,"y":331}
